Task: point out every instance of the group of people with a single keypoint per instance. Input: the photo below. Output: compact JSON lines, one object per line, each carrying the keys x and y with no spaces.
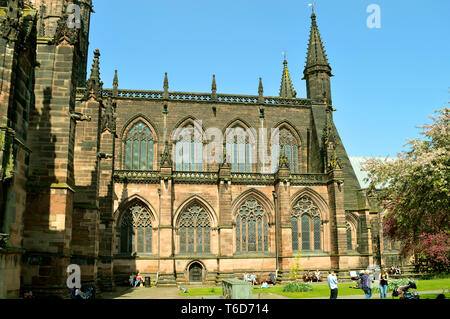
{"x":364,"y":282}
{"x":264,"y":280}
{"x":136,"y":280}
{"x":395,"y":270}
{"x":250,"y":278}
{"x":312,"y":276}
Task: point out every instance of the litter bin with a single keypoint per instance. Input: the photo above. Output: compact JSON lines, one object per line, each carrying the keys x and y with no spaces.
{"x":147,"y":282}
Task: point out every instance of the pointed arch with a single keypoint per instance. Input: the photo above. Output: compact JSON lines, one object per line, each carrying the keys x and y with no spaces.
{"x":139,"y":144}
{"x":188,"y":140}
{"x":186,"y":121}
{"x":252,"y":215}
{"x":134,"y":224}
{"x":241,"y":143}
{"x":193,"y":223}
{"x":242,"y":123}
{"x":290,"y":139}
{"x":352,"y":224}
{"x":308,"y":213}
{"x":315,"y":197}
{"x":200,"y":201}
{"x":135,"y":118}
{"x":130,"y":201}
{"x":254,"y":193}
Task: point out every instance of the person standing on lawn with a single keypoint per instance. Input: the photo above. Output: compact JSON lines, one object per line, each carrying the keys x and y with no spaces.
{"x":383,"y":283}
{"x":332,"y":283}
{"x":366,"y":284}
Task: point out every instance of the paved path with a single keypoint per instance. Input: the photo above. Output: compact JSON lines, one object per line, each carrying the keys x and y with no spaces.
{"x":173,"y":293}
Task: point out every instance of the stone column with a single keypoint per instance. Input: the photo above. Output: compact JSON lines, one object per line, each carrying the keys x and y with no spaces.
{"x":282,"y":190}
{"x":225,"y":228}
{"x":338,"y":229}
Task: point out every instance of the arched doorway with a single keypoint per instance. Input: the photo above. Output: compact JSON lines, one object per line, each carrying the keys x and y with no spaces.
{"x":195,"y":272}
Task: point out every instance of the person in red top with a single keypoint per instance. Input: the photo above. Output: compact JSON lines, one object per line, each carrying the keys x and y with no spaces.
{"x":138,"y":280}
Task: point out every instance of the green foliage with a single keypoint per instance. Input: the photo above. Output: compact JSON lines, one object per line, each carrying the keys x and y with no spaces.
{"x":295,"y":267}
{"x":212,"y":290}
{"x":414,"y":188}
{"x":297,"y":287}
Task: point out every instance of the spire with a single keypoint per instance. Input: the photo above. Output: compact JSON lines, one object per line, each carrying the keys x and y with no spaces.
{"x":316,"y":52}
{"x":94,"y":85}
{"x":317,"y":70}
{"x":286,"y":89}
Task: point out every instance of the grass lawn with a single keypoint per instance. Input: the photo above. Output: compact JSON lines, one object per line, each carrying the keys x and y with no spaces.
{"x":321,"y":290}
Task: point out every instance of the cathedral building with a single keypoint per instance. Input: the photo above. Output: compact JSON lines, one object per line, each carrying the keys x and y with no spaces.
{"x":178,"y":186}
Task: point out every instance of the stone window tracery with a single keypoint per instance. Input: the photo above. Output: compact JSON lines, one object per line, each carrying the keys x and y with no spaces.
{"x":290,"y":145}
{"x":139,"y":145}
{"x":308,"y":213}
{"x":239,"y":149}
{"x":136,"y":231}
{"x":252,"y":228}
{"x":194,"y":230}
{"x":189,"y":149}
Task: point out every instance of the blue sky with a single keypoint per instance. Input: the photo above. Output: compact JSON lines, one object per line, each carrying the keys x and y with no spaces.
{"x":387,"y":81}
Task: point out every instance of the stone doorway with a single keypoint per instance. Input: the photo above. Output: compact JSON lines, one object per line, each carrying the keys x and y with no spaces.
{"x":195,"y":272}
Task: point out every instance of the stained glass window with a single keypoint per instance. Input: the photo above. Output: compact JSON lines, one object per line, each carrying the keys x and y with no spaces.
{"x":317,"y":232}
{"x":194,"y":230}
{"x":288,"y":141}
{"x":252,"y":232}
{"x":239,"y":149}
{"x":306,"y":213}
{"x":136,"y":231}
{"x":139,"y":147}
{"x":189,"y":149}
{"x":294,"y":224}
{"x":306,"y":232}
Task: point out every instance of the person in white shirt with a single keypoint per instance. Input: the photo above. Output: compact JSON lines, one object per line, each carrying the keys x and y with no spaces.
{"x":332,"y":283}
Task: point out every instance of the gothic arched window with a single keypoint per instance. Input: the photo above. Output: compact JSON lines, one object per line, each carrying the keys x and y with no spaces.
{"x":290,"y":146}
{"x":309,"y":227}
{"x":194,"y":230}
{"x":139,"y":147}
{"x":252,"y":228}
{"x":189,"y":149}
{"x":136,"y":231}
{"x":349,"y":237}
{"x":239,"y":149}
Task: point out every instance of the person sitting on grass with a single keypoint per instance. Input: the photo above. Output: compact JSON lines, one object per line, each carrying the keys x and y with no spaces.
{"x":264,"y":285}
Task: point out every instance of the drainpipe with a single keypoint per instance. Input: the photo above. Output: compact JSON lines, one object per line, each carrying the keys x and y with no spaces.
{"x":275,"y":199}
{"x":159,"y":237}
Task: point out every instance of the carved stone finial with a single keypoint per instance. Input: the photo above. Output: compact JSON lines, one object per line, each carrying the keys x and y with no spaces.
{"x":214,"y":88}
{"x":166,"y":158}
{"x":260,"y":92}
{"x":166,"y":87}
{"x":94,"y":87}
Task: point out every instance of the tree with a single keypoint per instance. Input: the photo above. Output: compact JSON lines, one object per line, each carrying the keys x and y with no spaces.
{"x":414,"y":189}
